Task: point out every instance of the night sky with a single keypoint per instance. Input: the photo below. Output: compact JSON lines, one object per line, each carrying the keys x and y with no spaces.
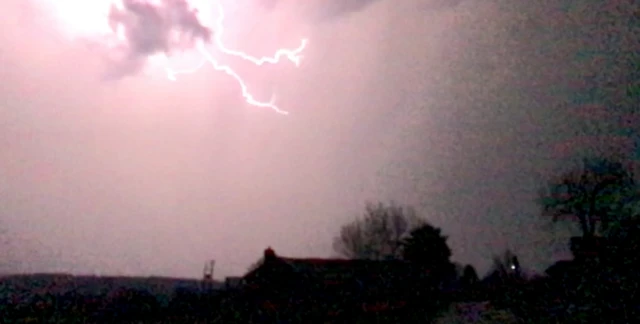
{"x":461,"y":109}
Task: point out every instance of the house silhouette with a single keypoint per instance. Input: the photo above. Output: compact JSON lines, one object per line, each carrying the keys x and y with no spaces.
{"x":335,"y":285}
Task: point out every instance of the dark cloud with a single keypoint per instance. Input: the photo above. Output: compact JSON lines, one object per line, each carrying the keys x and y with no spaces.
{"x":322,"y":10}
{"x":173,"y":25}
{"x":439,"y":4}
{"x":330,"y":10}
{"x":337,"y":8}
{"x":152,"y":29}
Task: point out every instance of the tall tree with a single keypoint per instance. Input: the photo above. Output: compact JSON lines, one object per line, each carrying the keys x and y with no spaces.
{"x":469,"y":276}
{"x":426,"y":246}
{"x":378,"y":234}
{"x":597,"y":193}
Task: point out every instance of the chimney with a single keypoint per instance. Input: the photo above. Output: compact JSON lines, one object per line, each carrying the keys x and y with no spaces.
{"x":269,"y":254}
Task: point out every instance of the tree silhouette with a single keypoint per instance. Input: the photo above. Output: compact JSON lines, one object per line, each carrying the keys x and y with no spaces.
{"x":601,"y":191}
{"x":624,"y":239}
{"x":506,"y":266}
{"x":427,"y":247}
{"x":469,"y":276}
{"x":378,"y":235}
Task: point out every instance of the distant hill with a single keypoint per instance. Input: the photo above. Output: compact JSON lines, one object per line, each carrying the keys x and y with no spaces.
{"x":22,"y":288}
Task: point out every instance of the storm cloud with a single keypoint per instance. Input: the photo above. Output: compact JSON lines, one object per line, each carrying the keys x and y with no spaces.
{"x":335,"y":9}
{"x":150,"y":29}
{"x":323,"y":11}
{"x":173,"y":25}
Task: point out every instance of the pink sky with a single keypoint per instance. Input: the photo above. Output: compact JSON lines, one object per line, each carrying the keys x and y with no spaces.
{"x":459,"y":111}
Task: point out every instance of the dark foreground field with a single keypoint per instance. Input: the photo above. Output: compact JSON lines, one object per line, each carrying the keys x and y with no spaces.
{"x":77,"y":299}
{"x":49,"y":298}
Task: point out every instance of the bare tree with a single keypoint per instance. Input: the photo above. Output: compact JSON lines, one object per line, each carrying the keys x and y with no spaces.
{"x":378,"y":234}
{"x":600,"y":192}
{"x":507,"y":265}
{"x":505,"y":269}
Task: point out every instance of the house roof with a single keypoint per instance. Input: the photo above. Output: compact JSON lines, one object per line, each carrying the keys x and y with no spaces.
{"x":561,"y":268}
{"x":315,"y":264}
{"x":337,"y":267}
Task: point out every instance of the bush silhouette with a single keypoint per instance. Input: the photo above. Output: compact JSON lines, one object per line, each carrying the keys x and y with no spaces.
{"x":126,"y":304}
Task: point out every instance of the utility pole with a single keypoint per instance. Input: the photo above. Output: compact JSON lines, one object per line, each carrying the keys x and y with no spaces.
{"x":207,"y":275}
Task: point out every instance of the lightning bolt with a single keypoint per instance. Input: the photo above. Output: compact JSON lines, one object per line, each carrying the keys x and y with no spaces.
{"x":293,"y":55}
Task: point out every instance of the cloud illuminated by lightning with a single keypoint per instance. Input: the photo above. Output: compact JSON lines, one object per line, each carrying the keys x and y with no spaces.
{"x":152,"y":29}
